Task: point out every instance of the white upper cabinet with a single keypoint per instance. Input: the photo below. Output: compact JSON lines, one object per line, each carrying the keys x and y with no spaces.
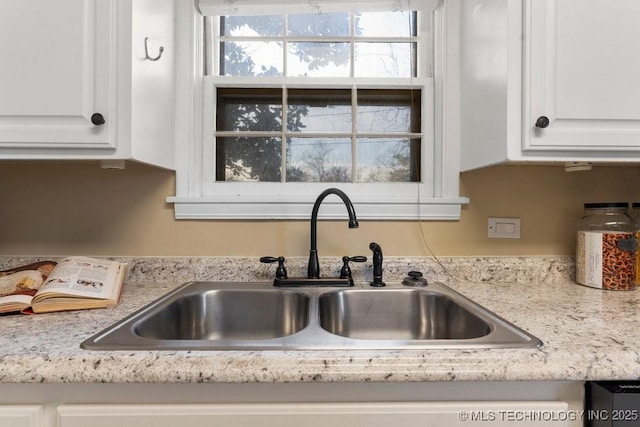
{"x":550,"y":80}
{"x":75,"y":82}
{"x":582,"y":63}
{"x":55,"y":73}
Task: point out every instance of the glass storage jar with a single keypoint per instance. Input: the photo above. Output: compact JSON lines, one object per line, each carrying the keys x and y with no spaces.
{"x":606,"y":247}
{"x":635,"y":214}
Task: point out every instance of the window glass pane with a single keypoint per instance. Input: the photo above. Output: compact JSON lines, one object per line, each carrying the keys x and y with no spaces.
{"x":319,"y":111}
{"x":318,"y":24}
{"x":385,"y":24}
{"x":251,"y":26}
{"x":319,"y":159}
{"x":251,"y":59}
{"x":382,"y":111}
{"x":388,"y":160}
{"x":248,"y":159}
{"x":249,"y":110}
{"x":318,"y":59}
{"x":385,"y":60}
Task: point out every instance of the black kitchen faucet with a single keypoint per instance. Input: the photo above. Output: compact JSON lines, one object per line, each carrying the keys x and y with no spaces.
{"x":313,"y":268}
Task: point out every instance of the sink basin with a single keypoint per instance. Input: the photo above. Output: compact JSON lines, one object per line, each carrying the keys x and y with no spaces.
{"x":257,"y":316}
{"x":226,"y":315}
{"x":402,"y":314}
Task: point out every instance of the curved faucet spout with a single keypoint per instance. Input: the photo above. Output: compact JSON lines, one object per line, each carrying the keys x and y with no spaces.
{"x":313,"y":269}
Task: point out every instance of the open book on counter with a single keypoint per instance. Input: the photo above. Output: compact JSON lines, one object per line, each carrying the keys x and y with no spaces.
{"x":74,"y":283}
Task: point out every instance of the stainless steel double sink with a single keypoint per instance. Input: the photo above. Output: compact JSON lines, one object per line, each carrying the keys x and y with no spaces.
{"x":257,"y":316}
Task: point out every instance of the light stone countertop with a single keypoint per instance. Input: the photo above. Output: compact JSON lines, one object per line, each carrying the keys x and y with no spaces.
{"x":588,"y":334}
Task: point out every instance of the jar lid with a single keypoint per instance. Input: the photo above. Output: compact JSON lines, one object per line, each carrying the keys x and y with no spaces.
{"x":606,"y":205}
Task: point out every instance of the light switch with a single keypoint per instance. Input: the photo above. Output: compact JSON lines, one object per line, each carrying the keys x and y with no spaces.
{"x":504,"y":228}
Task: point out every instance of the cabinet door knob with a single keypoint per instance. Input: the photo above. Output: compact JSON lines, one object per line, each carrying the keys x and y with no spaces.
{"x":542,"y":122}
{"x":97,"y":119}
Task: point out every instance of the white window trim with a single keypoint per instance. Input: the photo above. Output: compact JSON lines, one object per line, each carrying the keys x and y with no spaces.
{"x":261,"y":7}
{"x":436,"y":197}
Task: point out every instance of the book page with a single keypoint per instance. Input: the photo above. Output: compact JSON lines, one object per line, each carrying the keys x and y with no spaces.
{"x":20,"y":301}
{"x":15,"y":303}
{"x":85,"y":277}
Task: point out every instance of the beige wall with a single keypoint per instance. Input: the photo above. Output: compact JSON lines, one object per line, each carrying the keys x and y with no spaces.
{"x":60,"y":208}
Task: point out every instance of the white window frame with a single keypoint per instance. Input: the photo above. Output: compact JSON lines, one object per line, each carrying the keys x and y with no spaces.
{"x":436,"y":197}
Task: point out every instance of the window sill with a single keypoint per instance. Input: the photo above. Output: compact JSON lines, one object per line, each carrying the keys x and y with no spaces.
{"x":267,"y":208}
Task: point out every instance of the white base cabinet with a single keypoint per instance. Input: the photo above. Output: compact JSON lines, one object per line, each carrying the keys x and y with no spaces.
{"x":22,"y":416}
{"x":76,"y":83}
{"x":436,"y":404}
{"x":550,"y":80}
{"x":445,"y":414}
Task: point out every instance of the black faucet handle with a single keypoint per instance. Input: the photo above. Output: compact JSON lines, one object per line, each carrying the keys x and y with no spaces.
{"x":281,"y":271}
{"x":345,"y":272}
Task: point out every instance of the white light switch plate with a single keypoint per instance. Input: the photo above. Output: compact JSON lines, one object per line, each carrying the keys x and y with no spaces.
{"x":504,"y":228}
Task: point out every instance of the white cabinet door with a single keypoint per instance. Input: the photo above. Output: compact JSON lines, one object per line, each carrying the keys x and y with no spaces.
{"x":378,"y":414}
{"x":21,"y":416}
{"x":581,"y":72}
{"x":57,"y":72}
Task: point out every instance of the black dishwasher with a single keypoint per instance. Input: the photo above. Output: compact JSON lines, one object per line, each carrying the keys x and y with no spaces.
{"x":612,"y":403}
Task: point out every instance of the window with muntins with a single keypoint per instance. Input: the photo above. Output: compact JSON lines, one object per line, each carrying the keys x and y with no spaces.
{"x":295,"y":100}
{"x":331,"y":135}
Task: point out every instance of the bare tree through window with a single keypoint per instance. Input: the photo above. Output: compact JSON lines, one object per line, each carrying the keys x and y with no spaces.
{"x":310,"y":135}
